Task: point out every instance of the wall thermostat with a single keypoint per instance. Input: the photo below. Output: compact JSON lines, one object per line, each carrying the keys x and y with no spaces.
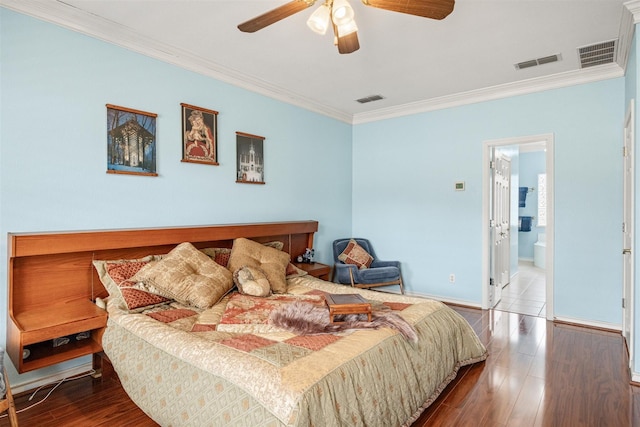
{"x":460,"y":186}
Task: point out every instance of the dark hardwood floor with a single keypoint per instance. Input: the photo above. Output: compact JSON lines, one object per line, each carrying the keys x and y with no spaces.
{"x":538,"y":373}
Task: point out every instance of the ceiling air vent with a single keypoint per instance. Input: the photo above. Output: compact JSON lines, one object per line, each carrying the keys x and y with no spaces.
{"x":539,"y":61}
{"x":370,"y":99}
{"x":597,"y":54}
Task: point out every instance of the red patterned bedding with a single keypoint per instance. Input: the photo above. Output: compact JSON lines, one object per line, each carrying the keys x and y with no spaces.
{"x":236,"y":369}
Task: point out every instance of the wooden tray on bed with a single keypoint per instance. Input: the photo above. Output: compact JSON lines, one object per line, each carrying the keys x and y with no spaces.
{"x":347,"y":304}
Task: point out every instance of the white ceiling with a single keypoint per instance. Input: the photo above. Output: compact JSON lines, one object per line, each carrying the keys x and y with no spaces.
{"x":416,"y":64}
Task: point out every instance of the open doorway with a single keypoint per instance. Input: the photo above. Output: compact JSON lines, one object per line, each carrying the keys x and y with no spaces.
{"x":529,"y":289}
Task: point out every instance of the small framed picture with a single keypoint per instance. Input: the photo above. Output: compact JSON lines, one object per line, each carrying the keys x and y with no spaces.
{"x":131,"y":141}
{"x":249,"y":158}
{"x":199,"y":135}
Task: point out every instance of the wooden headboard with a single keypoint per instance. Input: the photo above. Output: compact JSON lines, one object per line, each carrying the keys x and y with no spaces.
{"x":48,"y":272}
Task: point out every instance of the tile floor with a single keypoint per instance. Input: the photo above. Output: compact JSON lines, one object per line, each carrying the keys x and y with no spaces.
{"x":526,"y":292}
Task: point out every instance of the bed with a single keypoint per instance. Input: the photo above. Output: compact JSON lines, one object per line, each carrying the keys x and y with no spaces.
{"x":188,"y":358}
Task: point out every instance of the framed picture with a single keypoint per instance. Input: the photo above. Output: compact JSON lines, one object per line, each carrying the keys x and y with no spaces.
{"x":199,"y":135}
{"x":249,"y":158}
{"x":131,"y":141}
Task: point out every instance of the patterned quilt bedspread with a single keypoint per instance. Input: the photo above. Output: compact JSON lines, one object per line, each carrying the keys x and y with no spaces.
{"x":227,"y":366}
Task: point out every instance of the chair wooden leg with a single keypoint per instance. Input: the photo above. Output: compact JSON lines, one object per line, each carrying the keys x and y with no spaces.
{"x":8,"y":405}
{"x":373,"y":285}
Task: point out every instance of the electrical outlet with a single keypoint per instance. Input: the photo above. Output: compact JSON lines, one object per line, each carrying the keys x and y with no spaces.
{"x":452,"y":278}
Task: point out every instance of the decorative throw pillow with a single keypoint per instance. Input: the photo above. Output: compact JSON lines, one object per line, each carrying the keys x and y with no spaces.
{"x":272,"y":261}
{"x":221,"y":255}
{"x":252,"y":281}
{"x":355,"y":254}
{"x":293,"y":271}
{"x":275,"y":244}
{"x":188,"y":276}
{"x":115,"y":275}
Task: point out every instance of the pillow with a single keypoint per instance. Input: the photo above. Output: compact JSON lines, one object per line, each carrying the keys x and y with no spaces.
{"x":272,"y":261}
{"x":275,"y":244}
{"x":252,"y":281}
{"x":293,"y":271}
{"x":188,"y":276}
{"x":355,"y":254}
{"x":221,"y":255}
{"x":115,"y":275}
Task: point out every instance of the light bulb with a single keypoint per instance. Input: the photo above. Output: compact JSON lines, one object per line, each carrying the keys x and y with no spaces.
{"x":342,"y":12}
{"x":319,"y":20}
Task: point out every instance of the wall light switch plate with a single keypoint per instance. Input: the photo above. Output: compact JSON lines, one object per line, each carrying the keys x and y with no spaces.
{"x":460,"y":186}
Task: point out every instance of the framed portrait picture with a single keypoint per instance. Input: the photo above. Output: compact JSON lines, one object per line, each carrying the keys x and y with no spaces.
{"x":131,"y":141}
{"x":199,"y":135}
{"x":249,"y":158}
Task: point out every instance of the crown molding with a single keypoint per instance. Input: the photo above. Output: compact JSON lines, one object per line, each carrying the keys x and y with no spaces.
{"x":633,"y":6}
{"x":522,"y":87}
{"x":64,"y":15}
{"x":630,"y":17}
{"x":625,"y":33}
{"x":67,"y":16}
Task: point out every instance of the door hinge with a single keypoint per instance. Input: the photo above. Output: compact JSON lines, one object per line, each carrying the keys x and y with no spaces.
{"x":492,"y":164}
{"x":624,"y":227}
{"x":623,"y":305}
{"x":491,"y":283}
{"x":624,"y":151}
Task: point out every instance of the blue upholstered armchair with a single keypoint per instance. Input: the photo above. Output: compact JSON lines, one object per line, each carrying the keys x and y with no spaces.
{"x":379,"y":273}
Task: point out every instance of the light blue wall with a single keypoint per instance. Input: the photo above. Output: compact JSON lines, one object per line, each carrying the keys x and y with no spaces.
{"x":404,"y":171}
{"x":54,"y":87}
{"x":531,"y":165}
{"x":393,"y":179}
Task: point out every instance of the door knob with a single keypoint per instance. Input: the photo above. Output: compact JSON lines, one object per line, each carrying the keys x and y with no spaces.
{"x":626,"y":251}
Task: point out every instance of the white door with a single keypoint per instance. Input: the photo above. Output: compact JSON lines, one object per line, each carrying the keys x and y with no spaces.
{"x":627,"y":231}
{"x":500,"y":227}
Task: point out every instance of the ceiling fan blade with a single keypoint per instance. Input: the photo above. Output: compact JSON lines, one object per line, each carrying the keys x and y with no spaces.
{"x":433,"y":9}
{"x":348,"y":43}
{"x":275,"y":15}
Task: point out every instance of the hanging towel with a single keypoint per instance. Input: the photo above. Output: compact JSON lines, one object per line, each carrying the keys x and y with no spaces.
{"x":524,"y":223}
{"x":523,"y":196}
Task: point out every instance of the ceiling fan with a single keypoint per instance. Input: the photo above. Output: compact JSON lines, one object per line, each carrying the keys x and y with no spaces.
{"x":339,"y":15}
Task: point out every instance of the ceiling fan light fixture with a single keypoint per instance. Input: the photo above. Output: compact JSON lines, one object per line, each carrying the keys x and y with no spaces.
{"x":341,"y":12}
{"x":348,"y":28}
{"x":341,"y":16}
{"x":319,"y":20}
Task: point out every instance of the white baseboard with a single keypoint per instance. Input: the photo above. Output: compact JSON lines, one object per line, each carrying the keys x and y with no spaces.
{"x":445,"y":299}
{"x":590,"y":323}
{"x":33,"y":384}
{"x":569,"y":320}
{"x":635,"y":377}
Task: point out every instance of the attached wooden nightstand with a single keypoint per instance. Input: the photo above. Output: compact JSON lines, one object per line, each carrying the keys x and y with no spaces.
{"x":316,"y":269}
{"x":46,"y":303}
